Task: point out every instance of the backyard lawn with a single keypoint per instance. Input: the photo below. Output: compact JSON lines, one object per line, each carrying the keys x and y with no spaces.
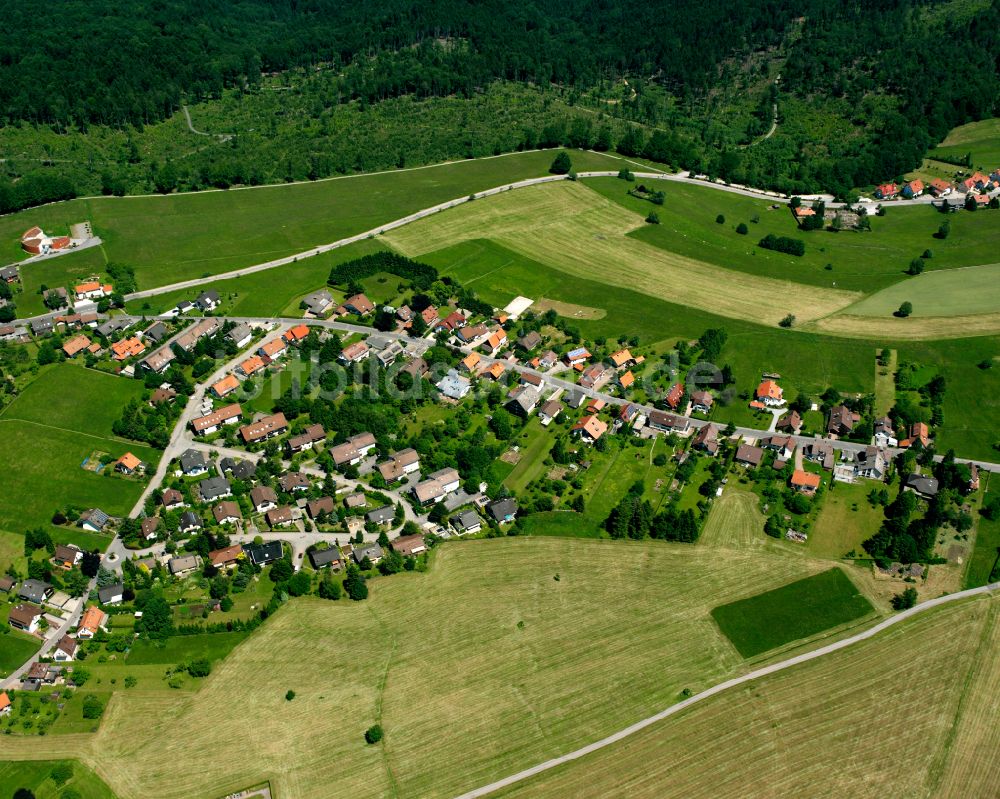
{"x":845,"y":520}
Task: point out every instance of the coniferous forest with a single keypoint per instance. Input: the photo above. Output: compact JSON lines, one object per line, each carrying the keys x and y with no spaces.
{"x":860,"y":90}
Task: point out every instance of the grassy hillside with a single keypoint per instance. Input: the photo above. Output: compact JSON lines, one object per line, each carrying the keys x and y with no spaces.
{"x":919,"y":700}
{"x":57,"y":422}
{"x":537,"y":645}
{"x":37,"y":777}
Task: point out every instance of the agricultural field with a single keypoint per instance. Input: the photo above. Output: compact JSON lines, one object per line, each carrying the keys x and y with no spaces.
{"x":583,"y":234}
{"x":183,"y":236}
{"x":956,"y":292}
{"x":845,"y":520}
{"x":530,"y":681}
{"x":59,"y":421}
{"x":864,"y":262}
{"x":735,"y":521}
{"x":791,"y":612}
{"x":983,"y":565}
{"x":37,"y":776}
{"x":919,"y":699}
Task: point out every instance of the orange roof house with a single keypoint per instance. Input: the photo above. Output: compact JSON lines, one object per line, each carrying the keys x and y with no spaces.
{"x":673,"y":398}
{"x":939,"y":186}
{"x":76,"y":345}
{"x":919,"y":432}
{"x":4,"y":703}
{"x":273,"y":348}
{"x":127,"y":348}
{"x":496,"y":370}
{"x":93,"y":619}
{"x":627,"y":379}
{"x":227,"y":385}
{"x":471,"y":360}
{"x":127,"y":463}
{"x":297,"y":333}
{"x":590,"y":428}
{"x":770,"y":393}
{"x":621,"y":358}
{"x":803,"y":211}
{"x":251,"y":365}
{"x":806,"y":482}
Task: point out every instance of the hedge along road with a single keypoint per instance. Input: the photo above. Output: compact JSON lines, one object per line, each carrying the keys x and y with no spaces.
{"x":520,"y":776}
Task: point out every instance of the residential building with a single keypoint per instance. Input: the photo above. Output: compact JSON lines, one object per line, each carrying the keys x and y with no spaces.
{"x":128,"y":464}
{"x":207,"y":425}
{"x":227,"y":512}
{"x":872,"y":463}
{"x":281,"y":516}
{"x":790,"y":422}
{"x":466,"y":522}
{"x":226,"y":386}
{"x":805,"y":482}
{"x":402,"y":463}
{"x":67,"y":556}
{"x":93,"y":620}
{"x":322,"y":558}
{"x":111,"y":594}
{"x":770,"y":394}
{"x":595,"y":376}
{"x":208,"y":301}
{"x":93,"y":519}
{"x":437,"y":486}
{"x":530,"y":341}
{"x":294,"y":481}
{"x":578,"y":356}
{"x":263,"y":498}
{"x":263,"y":429}
{"x":240,"y":335}
{"x":842,"y":420}
{"x":523,"y":399}
{"x":150,"y":527}
{"x":190,"y":522}
{"x":318,"y":303}
{"x":322,"y":505}
{"x":467,"y":335}
{"x":159,"y":360}
{"x":674,"y":396}
{"x":668,"y":422}
{"x":25,"y":617}
{"x":371,"y":551}
{"x":250,"y":366}
{"x":454,"y":386}
{"x":748,"y":455}
{"x":926,"y":487}
{"x":65,"y":650}
{"x":496,"y":341}
{"x":353,"y":451}
{"x":355,"y":353}
{"x":883,"y":433}
{"x":503,"y":510}
{"x":172,"y":499}
{"x":184,"y":564}
{"x":203,"y":328}
{"x":388,"y":355}
{"x":380,"y":516}
{"x":305,"y":440}
{"x":273,"y":349}
{"x":193,"y":463}
{"x":36,"y":591}
{"x":707,"y":440}
{"x":127,"y":348}
{"x":76,"y":345}
{"x":589,"y":429}
{"x":409,"y":545}
{"x":919,"y":434}
{"x":495,"y":370}
{"x":358,"y":304}
{"x":701,"y":402}
{"x":549,"y":411}
{"x":227,"y":557}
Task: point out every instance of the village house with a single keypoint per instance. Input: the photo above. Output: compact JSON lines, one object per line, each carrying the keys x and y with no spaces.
{"x":193,"y":463}
{"x":497,"y":341}
{"x":820,"y":452}
{"x":319,"y":506}
{"x":305,"y":440}
{"x":263,"y":498}
{"x":494,"y":371}
{"x":451,"y":322}
{"x":387,"y":355}
{"x":373,"y":552}
{"x":227,"y":512}
{"x":6,"y":706}
{"x":790,"y":422}
{"x":437,"y":486}
{"x":190,"y":522}
{"x":471,"y":361}
{"x":76,"y":345}
{"x":207,"y":301}
{"x":150,"y":527}
{"x":768,"y":395}
{"x":207,"y":425}
{"x":25,"y":617}
{"x":93,"y":519}
{"x":415,"y":368}
{"x":127,"y":348}
{"x":381,"y":516}
{"x":67,"y":556}
{"x":589,"y":429}
{"x":296,"y":334}
{"x":669,"y":423}
{"x":842,"y":420}
{"x":359,"y":304}
{"x":913,"y":189}
{"x":530,"y":341}
{"x":171,"y":499}
{"x":317,"y":303}
{"x":65,"y":650}
{"x":503,"y":510}
{"x":922,"y":485}
{"x":701,"y":402}
{"x":749,"y":456}
{"x":626,"y":380}
{"x":227,"y":557}
{"x":353,"y":450}
{"x":805,"y":482}
{"x":250,"y":367}
{"x":92,"y":621}
{"x":226,"y":386}
{"x":872,"y":463}
{"x":940,"y":188}
{"x":919,"y":434}
{"x":203,"y":328}
{"x":549,"y":411}
{"x":322,"y":558}
{"x":629,"y":413}
{"x":548,"y":359}
{"x":454,"y":386}
{"x":279,"y":517}
{"x":522,"y":400}
{"x":263,"y":429}
{"x":782,"y":446}
{"x":707,"y":439}
{"x":886,"y":191}
{"x":93,"y":290}
{"x":355,"y":500}
{"x":113,"y":594}
{"x":402,"y":463}
{"x":264,"y":553}
{"x":595,"y":376}
{"x":578,"y":356}
{"x":409,"y":545}
{"x":466,"y":523}
{"x":674,"y":396}
{"x":294,"y":481}
{"x":240,"y":335}
{"x":128,"y":464}
{"x":469,"y":334}
{"x":355,"y":353}
{"x":883,"y":433}
{"x":273,"y":349}
{"x":158,"y":361}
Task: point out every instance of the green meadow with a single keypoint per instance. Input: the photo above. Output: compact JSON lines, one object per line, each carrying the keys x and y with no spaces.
{"x":793,"y":611}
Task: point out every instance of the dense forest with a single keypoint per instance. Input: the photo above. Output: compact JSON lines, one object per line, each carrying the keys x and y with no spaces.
{"x":861,"y":89}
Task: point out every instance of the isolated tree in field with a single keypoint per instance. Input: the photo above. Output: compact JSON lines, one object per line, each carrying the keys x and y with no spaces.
{"x":905,"y":600}
{"x":720,"y":220}
{"x":788,"y":321}
{"x":561,"y":165}
{"x":24,"y":793}
{"x":200,"y":667}
{"x":742,"y":228}
{"x":653,"y":218}
{"x":289,"y":695}
{"x":92,"y":707}
{"x":927,"y":254}
{"x":354,"y":584}
{"x":943,"y":229}
{"x":904,"y":310}
{"x":916,"y":267}
{"x":624,"y":174}
{"x":374,"y":734}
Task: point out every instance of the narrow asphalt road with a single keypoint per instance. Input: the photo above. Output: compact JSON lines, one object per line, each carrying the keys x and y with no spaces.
{"x":520,"y":776}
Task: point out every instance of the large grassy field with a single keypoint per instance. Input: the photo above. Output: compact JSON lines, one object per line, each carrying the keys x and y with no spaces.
{"x":862,"y":262}
{"x":735,"y":521}
{"x":58,"y":421}
{"x":183,"y":236}
{"x":793,"y":611}
{"x":986,"y":552}
{"x":957,"y":292}
{"x":845,"y":520}
{"x":909,"y":713}
{"x":15,"y":647}
{"x":584,"y":234}
{"x":517,"y":666}
{"x":36,"y":776}
{"x":982,"y":139}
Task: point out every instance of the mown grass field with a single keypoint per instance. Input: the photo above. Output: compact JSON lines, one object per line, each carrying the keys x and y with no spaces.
{"x":183,"y":236}
{"x":15,"y":647}
{"x":59,"y":420}
{"x":37,"y":777}
{"x":583,"y":234}
{"x":845,"y":520}
{"x":797,"y":610}
{"x":525,"y":667}
{"x":957,"y":292}
{"x":862,"y":262}
{"x":909,"y":713}
{"x":986,"y":552}
{"x":735,"y":521}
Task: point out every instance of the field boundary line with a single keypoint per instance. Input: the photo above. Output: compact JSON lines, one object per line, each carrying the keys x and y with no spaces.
{"x":74,"y":432}
{"x":721,"y":687}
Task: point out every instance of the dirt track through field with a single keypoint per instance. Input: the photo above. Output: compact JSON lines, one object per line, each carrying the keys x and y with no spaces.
{"x":579,"y":232}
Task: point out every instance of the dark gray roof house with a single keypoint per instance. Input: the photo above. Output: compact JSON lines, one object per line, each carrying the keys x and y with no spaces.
{"x":42,"y":327}
{"x":503,"y":510}
{"x":156,"y":332}
{"x":372,"y":551}
{"x":190,"y":521}
{"x":925,"y":486}
{"x":467,"y":521}
{"x":207,"y":300}
{"x":262,"y":554}
{"x":94,"y":518}
{"x":383,"y":515}
{"x":35,"y":591}
{"x":111,"y":594}
{"x":245,"y":470}
{"x":193,"y":462}
{"x":326,"y":557}
{"x":214,"y":488}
